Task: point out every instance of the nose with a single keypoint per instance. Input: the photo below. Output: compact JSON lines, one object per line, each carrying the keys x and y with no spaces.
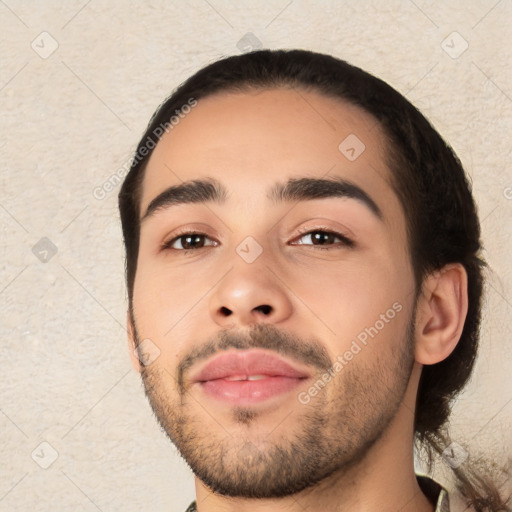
{"x":250,"y":293}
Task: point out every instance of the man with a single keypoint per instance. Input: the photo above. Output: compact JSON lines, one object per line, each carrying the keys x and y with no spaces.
{"x":304,"y":286}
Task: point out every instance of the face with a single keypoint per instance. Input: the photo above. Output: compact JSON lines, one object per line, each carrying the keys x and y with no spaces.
{"x":273,"y":310}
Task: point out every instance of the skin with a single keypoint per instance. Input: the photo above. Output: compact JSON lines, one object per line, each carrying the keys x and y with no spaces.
{"x":361,"y":423}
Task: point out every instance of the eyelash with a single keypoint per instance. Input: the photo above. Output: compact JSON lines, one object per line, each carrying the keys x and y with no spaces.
{"x":345,"y":241}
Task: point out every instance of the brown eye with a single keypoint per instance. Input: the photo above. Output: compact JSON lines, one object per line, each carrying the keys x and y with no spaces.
{"x":188,"y":241}
{"x":321,"y":238}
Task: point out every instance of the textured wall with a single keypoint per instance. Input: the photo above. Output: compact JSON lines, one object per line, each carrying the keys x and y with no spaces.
{"x":78,"y":83}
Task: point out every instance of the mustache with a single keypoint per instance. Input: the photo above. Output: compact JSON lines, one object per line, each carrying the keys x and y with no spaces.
{"x":264,"y":336}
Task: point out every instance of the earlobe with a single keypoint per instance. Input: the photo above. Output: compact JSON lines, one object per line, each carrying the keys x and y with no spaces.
{"x":132,"y":346}
{"x":441,"y":313}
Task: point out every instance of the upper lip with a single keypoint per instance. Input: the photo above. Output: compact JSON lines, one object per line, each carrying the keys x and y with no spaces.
{"x":248,"y":362}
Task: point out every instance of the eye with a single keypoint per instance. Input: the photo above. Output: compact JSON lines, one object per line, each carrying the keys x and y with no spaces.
{"x":188,"y":241}
{"x":322,"y":239}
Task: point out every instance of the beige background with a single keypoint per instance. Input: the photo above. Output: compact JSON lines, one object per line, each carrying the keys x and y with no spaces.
{"x":72,"y":118}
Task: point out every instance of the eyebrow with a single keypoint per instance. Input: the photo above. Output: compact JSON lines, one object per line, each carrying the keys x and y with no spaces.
{"x":295,"y":189}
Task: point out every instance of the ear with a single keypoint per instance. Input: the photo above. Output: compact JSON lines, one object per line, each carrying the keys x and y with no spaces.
{"x":132,"y":346}
{"x":441,"y":312}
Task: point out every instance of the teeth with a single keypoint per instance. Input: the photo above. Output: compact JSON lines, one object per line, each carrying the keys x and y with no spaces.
{"x":244,"y":377}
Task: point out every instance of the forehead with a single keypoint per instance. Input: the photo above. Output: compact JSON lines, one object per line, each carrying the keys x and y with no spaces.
{"x":251,"y":140}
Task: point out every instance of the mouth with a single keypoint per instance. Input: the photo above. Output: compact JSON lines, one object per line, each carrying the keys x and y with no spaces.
{"x":249,"y":377}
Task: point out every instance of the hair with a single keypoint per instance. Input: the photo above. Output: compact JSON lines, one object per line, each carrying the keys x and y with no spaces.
{"x":428,"y":178}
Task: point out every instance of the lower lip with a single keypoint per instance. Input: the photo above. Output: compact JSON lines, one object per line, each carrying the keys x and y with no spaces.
{"x":245,"y":392}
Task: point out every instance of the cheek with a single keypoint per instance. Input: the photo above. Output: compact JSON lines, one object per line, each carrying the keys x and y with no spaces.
{"x":167,"y":301}
{"x":155,"y":301}
{"x":355,"y":298}
{"x":158,"y":320}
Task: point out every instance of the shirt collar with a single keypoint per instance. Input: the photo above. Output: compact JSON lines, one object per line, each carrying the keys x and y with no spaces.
{"x":435,"y":492}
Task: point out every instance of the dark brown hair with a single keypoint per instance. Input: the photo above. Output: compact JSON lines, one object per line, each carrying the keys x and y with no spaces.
{"x":427,"y":176}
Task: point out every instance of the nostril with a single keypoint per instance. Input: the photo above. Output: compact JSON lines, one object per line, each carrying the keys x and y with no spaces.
{"x":264,"y":309}
{"x":225,"y":311}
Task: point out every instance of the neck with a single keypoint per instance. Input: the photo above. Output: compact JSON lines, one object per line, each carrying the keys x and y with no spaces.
{"x":383,"y":481}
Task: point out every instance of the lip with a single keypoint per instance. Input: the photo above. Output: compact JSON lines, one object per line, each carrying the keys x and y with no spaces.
{"x":225,"y":377}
